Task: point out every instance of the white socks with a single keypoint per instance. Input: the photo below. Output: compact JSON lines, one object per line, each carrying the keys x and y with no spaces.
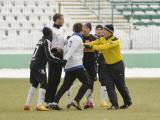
{"x":88,"y":95}
{"x":41,"y":96}
{"x":30,"y":95}
{"x":69,"y":96}
{"x":103,"y":93}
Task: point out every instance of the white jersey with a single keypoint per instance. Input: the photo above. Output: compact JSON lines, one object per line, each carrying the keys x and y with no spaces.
{"x":58,"y":37}
{"x":73,"y":53}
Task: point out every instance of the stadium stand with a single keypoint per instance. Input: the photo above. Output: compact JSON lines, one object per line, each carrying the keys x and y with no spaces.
{"x":144,"y":15}
{"x":143,"y":12}
{"x":21,"y":21}
{"x":95,"y":11}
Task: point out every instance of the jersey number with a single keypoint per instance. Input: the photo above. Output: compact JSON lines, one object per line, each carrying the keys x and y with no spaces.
{"x":35,"y":51}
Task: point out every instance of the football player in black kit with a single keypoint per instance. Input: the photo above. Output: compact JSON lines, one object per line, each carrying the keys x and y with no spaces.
{"x":42,"y":54}
{"x":89,"y":62}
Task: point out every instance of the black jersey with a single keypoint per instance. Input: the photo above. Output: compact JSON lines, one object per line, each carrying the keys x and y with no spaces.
{"x":89,"y":55}
{"x":42,"y":54}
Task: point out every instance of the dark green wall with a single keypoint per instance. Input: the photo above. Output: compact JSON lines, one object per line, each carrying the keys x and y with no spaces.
{"x":131,"y":60}
{"x":142,"y":60}
{"x":15,"y":60}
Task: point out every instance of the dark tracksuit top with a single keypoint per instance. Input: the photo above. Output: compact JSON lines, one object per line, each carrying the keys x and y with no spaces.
{"x":89,"y":55}
{"x":89,"y":59}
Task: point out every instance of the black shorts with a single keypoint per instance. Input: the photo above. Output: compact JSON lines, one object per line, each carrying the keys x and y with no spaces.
{"x":92,"y":70}
{"x":102,"y":74}
{"x":38,"y":76}
{"x":101,"y":69}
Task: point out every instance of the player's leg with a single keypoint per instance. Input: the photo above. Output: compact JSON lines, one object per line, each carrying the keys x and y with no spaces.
{"x":42,"y":77}
{"x":69,"y":96}
{"x":111,"y":89}
{"x":91,"y":69}
{"x":119,"y":78}
{"x":56,"y":77}
{"x":103,"y":90}
{"x":48,"y":96}
{"x":55,"y":71}
{"x":83,"y":76}
{"x":34,"y":85}
{"x":68,"y":81}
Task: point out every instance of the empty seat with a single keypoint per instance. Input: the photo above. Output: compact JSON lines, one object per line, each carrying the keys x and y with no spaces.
{"x":139,"y":12}
{"x":150,"y":12}
{"x":49,"y":10}
{"x":46,"y":18}
{"x":10,"y":18}
{"x":22,"y":18}
{"x":15,"y":10}
{"x":4,"y":25}
{"x":36,"y":10}
{"x":27,"y":11}
{"x":5,"y":11}
{"x":35,"y":18}
{"x":26,"y":25}
{"x":143,"y":6}
{"x":127,"y":12}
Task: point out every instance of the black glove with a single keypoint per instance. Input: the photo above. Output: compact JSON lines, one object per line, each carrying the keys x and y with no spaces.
{"x":56,"y":60}
{"x":63,"y":62}
{"x":57,"y":52}
{"x":54,"y":50}
{"x":88,"y":46}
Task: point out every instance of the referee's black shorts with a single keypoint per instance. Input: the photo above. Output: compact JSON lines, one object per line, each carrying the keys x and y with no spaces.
{"x":38,"y":76}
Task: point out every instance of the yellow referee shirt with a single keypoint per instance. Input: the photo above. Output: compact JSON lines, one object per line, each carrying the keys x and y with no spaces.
{"x":110,"y":49}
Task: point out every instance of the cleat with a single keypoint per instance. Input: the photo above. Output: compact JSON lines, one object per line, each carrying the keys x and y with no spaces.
{"x":76,"y":105}
{"x":42,"y":108}
{"x":113,"y":108}
{"x":49,"y":107}
{"x":54,"y":107}
{"x":104,"y":104}
{"x":125,"y":106}
{"x":68,"y":106}
{"x":26,"y":107}
{"x":89,"y":104}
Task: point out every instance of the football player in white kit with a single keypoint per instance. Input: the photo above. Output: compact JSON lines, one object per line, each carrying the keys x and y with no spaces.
{"x":73,"y":54}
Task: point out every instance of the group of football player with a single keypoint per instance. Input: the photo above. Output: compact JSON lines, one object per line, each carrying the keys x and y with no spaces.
{"x":82,"y":55}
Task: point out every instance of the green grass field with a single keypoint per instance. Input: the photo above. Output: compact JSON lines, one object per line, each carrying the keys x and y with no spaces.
{"x":145,"y":94}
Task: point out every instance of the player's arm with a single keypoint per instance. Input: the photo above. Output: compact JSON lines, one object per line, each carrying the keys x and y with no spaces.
{"x":48,"y":52}
{"x":106,"y":46}
{"x":73,"y":46}
{"x":96,"y":42}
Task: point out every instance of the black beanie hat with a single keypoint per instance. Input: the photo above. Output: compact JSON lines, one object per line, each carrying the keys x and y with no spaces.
{"x":99,"y":27}
{"x":47,"y":31}
{"x":89,"y":25}
{"x":109,"y":27}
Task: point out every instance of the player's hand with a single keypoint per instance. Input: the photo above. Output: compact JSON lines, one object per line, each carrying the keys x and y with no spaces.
{"x":63,"y":62}
{"x":54,"y":50}
{"x":88,"y":46}
{"x":57,"y":52}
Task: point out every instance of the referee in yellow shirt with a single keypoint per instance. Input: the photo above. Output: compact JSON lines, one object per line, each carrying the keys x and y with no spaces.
{"x":115,"y":76}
